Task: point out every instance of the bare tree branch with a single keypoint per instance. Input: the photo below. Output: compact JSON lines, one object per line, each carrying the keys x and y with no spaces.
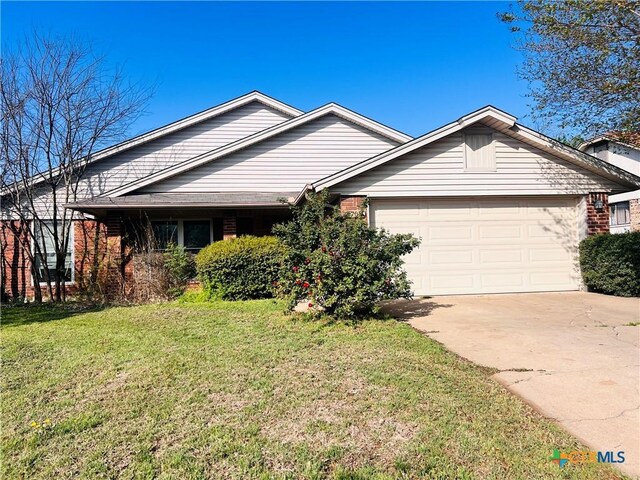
{"x":59,"y":104}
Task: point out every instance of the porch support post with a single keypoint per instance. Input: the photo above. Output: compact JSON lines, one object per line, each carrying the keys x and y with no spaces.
{"x":229,"y":229}
{"x":114,"y":230}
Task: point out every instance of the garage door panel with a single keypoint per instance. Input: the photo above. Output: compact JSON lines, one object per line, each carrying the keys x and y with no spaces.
{"x":450,"y":233}
{"x":546,"y":255}
{"x":512,"y":279}
{"x":443,"y":282}
{"x":497,"y":231}
{"x":496,"y":212}
{"x":486,"y":245}
{"x":451,"y":257}
{"x":548,"y":279}
{"x":500,"y":256}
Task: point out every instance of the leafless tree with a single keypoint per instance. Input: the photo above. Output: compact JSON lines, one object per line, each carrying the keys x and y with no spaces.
{"x":59,"y":105}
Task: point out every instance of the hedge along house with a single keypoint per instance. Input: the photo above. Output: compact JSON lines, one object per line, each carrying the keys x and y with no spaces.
{"x":499,"y":207}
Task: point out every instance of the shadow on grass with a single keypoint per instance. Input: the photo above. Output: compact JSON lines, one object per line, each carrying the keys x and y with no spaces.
{"x":405,"y":310}
{"x":24,"y":314}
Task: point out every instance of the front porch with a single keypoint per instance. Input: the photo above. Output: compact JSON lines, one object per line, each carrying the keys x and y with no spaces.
{"x":131,"y":224}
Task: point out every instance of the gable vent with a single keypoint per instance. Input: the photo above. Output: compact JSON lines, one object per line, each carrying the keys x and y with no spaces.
{"x":479,"y":152}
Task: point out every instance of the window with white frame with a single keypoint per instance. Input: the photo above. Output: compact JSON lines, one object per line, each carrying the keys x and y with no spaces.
{"x":479,"y":152}
{"x":193,"y":235}
{"x":619,"y":214}
{"x":164,"y":233}
{"x":45,"y":255}
{"x":196,"y":234}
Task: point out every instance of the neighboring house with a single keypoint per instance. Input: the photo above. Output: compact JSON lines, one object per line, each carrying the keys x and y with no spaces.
{"x":499,"y":207}
{"x":621,"y":150}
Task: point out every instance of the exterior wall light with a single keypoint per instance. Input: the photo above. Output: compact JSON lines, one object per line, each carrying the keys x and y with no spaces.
{"x":598,"y":204}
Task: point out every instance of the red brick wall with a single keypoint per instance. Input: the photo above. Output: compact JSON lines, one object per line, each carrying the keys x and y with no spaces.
{"x":16,"y":266}
{"x":634,"y":210}
{"x":597,"y":220}
{"x":229,"y":227}
{"x":351,"y":203}
{"x":114,"y":256}
{"x":98,"y":259}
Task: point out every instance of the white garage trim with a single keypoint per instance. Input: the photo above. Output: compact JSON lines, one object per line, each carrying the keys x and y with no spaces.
{"x":487,"y":245}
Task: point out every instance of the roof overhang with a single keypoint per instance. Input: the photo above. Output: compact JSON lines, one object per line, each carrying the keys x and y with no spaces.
{"x":181,"y":201}
{"x":620,"y":139}
{"x":503,"y":122}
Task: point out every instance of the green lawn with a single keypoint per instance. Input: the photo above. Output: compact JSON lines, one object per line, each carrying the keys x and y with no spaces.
{"x":240,"y":390}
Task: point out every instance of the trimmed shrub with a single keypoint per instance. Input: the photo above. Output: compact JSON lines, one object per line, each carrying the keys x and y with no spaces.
{"x":240,"y":268}
{"x":338,"y":264}
{"x":611,"y":263}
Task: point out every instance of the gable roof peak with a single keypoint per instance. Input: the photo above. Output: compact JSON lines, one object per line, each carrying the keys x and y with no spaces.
{"x":329,"y":108}
{"x":487,"y":111}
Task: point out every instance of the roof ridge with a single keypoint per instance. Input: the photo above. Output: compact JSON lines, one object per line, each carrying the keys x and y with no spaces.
{"x":194,"y":162}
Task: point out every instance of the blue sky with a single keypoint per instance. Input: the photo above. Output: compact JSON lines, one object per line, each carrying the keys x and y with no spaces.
{"x":413,"y":66}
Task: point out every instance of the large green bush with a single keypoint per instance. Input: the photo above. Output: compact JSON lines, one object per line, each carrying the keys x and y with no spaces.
{"x":240,"y":268}
{"x":337,"y":263}
{"x":611,"y":263}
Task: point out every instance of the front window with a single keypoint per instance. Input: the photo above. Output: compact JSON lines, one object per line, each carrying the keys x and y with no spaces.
{"x":45,"y":255}
{"x":197,"y":234}
{"x":193,"y":235}
{"x":619,"y":214}
{"x":164,"y":233}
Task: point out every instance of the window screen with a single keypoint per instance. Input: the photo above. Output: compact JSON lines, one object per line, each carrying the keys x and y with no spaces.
{"x":46,"y":258}
{"x":197,"y":234}
{"x":244,"y":226}
{"x":164,"y":233}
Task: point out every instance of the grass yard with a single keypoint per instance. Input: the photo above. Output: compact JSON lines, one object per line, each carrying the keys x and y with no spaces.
{"x":240,"y":390}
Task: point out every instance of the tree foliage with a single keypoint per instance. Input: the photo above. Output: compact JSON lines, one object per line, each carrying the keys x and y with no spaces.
{"x":337,"y":263}
{"x":582,"y":61}
{"x":59,"y":105}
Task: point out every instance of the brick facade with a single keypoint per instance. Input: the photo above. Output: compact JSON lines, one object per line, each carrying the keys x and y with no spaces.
{"x":351,"y":203}
{"x":634,"y":211}
{"x":229,"y":227}
{"x":597,"y":219}
{"x":114,"y":255}
{"x":16,"y":266}
{"x":102,"y":259}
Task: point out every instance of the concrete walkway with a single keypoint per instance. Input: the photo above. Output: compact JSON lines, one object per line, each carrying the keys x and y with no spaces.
{"x":579,"y":362}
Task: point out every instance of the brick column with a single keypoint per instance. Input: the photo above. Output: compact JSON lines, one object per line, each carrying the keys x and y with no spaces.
{"x":634,"y":211}
{"x":597,"y":220}
{"x":351,"y":203}
{"x":114,"y":230}
{"x":229,"y":228}
{"x":16,"y":267}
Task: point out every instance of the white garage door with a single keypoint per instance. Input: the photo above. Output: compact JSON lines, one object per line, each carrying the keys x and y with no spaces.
{"x":486,"y":245}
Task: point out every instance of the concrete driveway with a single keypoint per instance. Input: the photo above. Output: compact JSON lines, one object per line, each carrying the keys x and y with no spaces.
{"x":570,"y":355}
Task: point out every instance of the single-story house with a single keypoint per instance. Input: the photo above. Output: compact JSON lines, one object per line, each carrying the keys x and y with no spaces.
{"x":499,"y":207}
{"x":621,"y":150}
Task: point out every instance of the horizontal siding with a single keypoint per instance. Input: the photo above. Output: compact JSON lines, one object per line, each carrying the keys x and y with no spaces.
{"x":286,"y":162}
{"x":438,"y":170}
{"x":163,"y":152}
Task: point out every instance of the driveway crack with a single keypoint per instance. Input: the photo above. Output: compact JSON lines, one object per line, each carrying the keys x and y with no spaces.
{"x":627,"y":410}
